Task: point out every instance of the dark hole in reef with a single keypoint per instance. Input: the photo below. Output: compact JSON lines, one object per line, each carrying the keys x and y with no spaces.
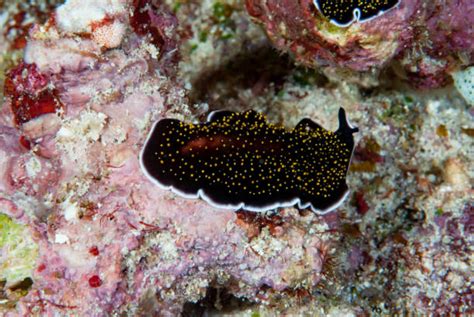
{"x":23,"y":285}
{"x":2,"y":289}
{"x":217,"y":300}
{"x":259,"y":69}
{"x":367,"y":92}
{"x":10,"y":295}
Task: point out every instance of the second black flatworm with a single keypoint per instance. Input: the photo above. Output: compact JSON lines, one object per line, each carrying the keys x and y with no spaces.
{"x":240,"y":161}
{"x":344,"y":12}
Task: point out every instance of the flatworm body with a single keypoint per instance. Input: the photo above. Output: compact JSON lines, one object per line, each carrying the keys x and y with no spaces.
{"x":344,"y":12}
{"x":240,"y":161}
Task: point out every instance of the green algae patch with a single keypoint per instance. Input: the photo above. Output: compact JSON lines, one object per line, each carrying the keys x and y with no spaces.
{"x":18,"y":252}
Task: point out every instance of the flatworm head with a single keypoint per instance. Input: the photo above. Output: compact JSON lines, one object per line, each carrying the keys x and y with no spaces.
{"x":344,"y":12}
{"x":240,"y":161}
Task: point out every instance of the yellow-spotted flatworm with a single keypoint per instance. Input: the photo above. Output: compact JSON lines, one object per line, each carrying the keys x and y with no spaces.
{"x":344,"y":12}
{"x":237,"y":160}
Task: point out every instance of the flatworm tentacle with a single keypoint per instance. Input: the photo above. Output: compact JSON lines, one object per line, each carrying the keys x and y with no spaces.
{"x":239,"y":160}
{"x":218,"y":114}
{"x":345,"y":12}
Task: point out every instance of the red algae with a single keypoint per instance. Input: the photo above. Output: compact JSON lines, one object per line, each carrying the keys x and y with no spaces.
{"x":94,"y":251}
{"x":95,"y":281}
{"x":361,"y":203}
{"x":154,"y":20}
{"x":25,"y":142}
{"x":41,"y":267}
{"x":253,"y":223}
{"x":140,"y":21}
{"x":30,"y":94}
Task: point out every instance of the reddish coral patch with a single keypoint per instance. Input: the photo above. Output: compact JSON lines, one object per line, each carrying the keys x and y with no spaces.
{"x":158,"y":22}
{"x":24,"y":79}
{"x":369,"y":152}
{"x":41,"y":267}
{"x":94,"y":251}
{"x":25,"y":142}
{"x":254,"y":223}
{"x":21,"y":29}
{"x":98,"y":24}
{"x":95,"y":281}
{"x":141,"y":22}
{"x":22,"y":17}
{"x":30,"y":94}
{"x":366,"y":157}
{"x":361,"y":203}
{"x":254,"y":8}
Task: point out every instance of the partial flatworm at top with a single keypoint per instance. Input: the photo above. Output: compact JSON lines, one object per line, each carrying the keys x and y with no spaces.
{"x":344,"y":12}
{"x":237,"y":160}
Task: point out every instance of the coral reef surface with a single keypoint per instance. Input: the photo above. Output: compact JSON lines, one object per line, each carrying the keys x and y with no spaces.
{"x":85,"y":232}
{"x":422,"y":41}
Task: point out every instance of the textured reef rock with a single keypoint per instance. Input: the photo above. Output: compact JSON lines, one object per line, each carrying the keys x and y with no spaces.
{"x":298,"y":27}
{"x":427,"y":39}
{"x":108,"y":240}
{"x":404,"y":243}
{"x":99,"y":239}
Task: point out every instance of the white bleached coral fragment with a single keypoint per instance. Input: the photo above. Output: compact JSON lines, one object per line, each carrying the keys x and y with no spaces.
{"x":167,"y":246}
{"x":81,"y":19}
{"x":33,"y":167}
{"x":464,"y":82}
{"x":109,"y":35}
{"x":61,"y":238}
{"x":71,"y":210}
{"x":79,"y":15}
{"x":87,"y":128}
{"x":77,"y":137}
{"x":100,"y":18}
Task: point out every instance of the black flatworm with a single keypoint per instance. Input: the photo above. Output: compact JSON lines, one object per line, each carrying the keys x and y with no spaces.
{"x":344,"y":12}
{"x":237,"y":160}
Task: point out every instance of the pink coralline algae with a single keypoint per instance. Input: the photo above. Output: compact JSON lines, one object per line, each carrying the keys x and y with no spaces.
{"x":428,"y":39}
{"x":110,"y":241}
